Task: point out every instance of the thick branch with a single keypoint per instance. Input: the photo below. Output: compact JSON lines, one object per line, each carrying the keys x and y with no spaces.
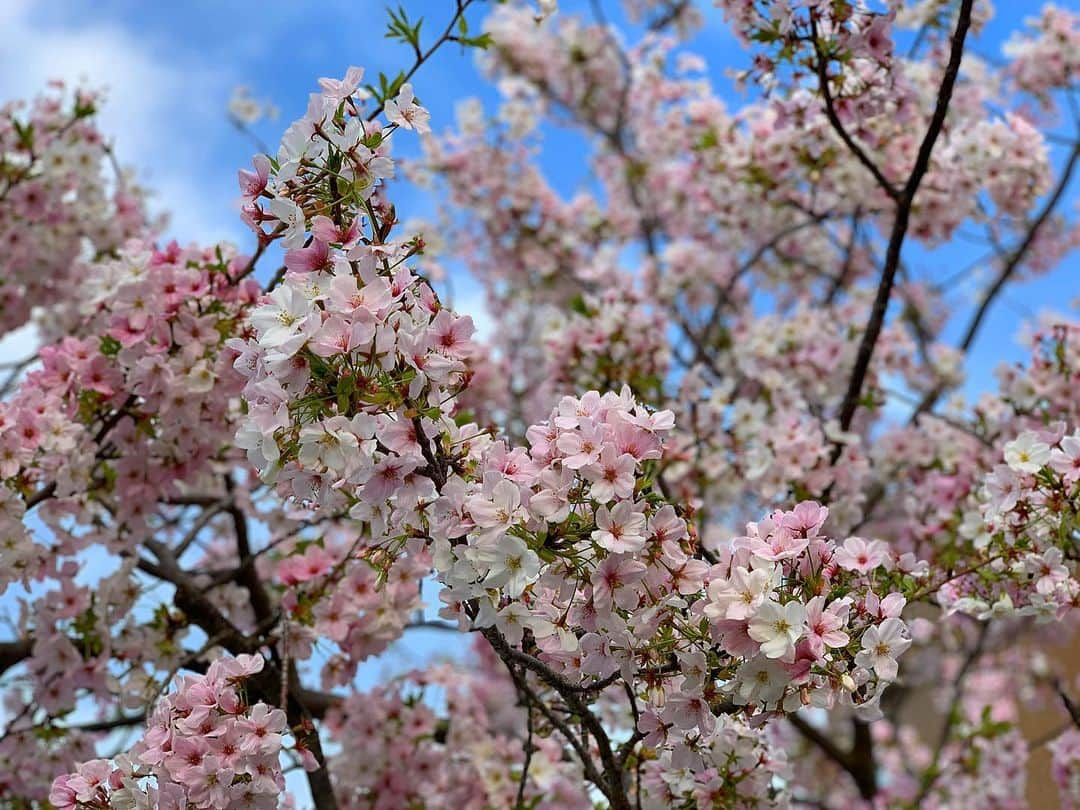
{"x":857,"y":763}
{"x":13,"y":652}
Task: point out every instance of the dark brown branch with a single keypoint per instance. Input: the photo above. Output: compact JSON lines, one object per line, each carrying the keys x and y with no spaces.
{"x":857,"y":763}
{"x":612,"y":783}
{"x":13,"y":652}
{"x":821,"y":64}
{"x":1068,"y":703}
{"x":560,"y":725}
{"x":247,"y":576}
{"x":528,"y":748}
{"x":900,"y":224}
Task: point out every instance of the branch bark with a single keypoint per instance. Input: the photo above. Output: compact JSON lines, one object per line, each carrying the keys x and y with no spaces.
{"x":900,"y":223}
{"x":1008,"y":269}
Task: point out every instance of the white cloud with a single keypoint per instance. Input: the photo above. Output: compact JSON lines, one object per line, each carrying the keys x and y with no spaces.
{"x":163,"y":113}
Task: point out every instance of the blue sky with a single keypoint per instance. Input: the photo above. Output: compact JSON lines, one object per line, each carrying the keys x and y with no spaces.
{"x":170,"y":69}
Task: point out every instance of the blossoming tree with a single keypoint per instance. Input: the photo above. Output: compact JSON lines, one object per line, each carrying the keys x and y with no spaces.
{"x":699,"y":562}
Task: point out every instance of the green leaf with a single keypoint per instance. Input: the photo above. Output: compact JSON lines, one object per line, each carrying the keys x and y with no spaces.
{"x":401,"y":29}
{"x":109,"y":346}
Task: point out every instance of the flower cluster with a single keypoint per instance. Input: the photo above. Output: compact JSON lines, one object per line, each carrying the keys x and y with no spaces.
{"x":336,"y":591}
{"x":804,"y":610}
{"x":59,"y":209}
{"x":733,"y":765}
{"x":149,"y":373}
{"x":607,"y":340}
{"x":471,"y":757}
{"x":1066,"y":767}
{"x":576,"y":499}
{"x":204,"y":747}
{"x":1045,"y":58}
{"x":1027,"y":530}
{"x":352,"y":364}
{"x":699,"y":318}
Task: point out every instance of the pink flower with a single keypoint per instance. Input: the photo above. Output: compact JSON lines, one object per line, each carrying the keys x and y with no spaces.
{"x":861,"y":556}
{"x":386,"y":478}
{"x":610,"y":579}
{"x":620,"y":529}
{"x":450,"y":334}
{"x":313,"y":258}
{"x":825,"y":625}
{"x":314,"y":562}
{"x":337,"y":90}
{"x":252,"y":184}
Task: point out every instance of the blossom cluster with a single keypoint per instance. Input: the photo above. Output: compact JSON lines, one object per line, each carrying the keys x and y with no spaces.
{"x":335,"y":590}
{"x":352,"y":360}
{"x":60,"y":208}
{"x":629,"y":643}
{"x":205,"y":747}
{"x":147,"y":370}
{"x":1045,"y":57}
{"x":473,"y":756}
{"x":606,"y":340}
{"x":1028,"y":524}
{"x":567,"y":547}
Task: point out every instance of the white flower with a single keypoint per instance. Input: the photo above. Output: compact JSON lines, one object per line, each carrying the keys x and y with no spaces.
{"x":1003,"y":608}
{"x":621,"y":529}
{"x":738,"y":597}
{"x":546,"y":8}
{"x":291,"y":216}
{"x":284,"y":321}
{"x":778,"y":627}
{"x":495,"y":513}
{"x":1026,"y":453}
{"x":511,"y":565}
{"x":514,"y":619}
{"x":331,"y":442}
{"x":759,"y":681}
{"x":405,"y":113}
{"x":882,"y":645}
{"x":256,"y":436}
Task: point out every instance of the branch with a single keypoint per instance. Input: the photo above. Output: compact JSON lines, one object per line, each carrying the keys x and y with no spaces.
{"x":519,"y":803}
{"x":858,"y":763}
{"x":951,"y":715}
{"x":821,"y":66}
{"x":1070,"y":706}
{"x":1008,"y":269}
{"x":247,"y":576}
{"x":559,"y":724}
{"x":612,"y":783}
{"x":446,"y":36}
{"x":13,"y":652}
{"x":900,"y":224}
